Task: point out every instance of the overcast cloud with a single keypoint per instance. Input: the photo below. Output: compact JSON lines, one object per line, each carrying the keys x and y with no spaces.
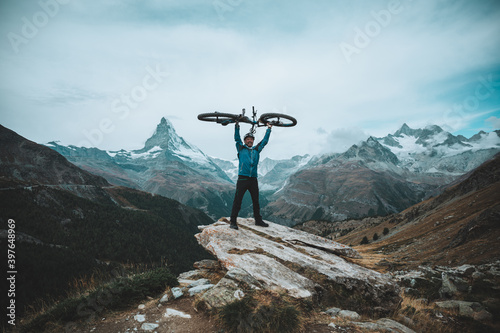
{"x":103,"y":73}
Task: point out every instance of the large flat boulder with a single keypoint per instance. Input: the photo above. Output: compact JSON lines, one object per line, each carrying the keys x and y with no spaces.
{"x":305,"y":265}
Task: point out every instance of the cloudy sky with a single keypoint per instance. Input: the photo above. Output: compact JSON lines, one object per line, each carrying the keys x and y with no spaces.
{"x":103,"y":73}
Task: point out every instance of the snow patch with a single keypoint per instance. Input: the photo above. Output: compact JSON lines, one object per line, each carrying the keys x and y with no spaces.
{"x":190,"y":154}
{"x":434,"y":145}
{"x":151,"y":153}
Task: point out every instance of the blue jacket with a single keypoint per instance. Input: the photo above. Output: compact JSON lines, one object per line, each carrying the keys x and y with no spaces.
{"x":249,"y":157}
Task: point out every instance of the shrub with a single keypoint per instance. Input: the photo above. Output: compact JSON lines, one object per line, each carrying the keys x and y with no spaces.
{"x":375,"y":236}
{"x":270,"y":313}
{"x":364,"y":240}
{"x":386,"y":231}
{"x":119,"y":294}
{"x":234,"y":316}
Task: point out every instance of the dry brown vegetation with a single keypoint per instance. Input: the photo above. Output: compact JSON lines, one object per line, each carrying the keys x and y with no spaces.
{"x":456,"y":232}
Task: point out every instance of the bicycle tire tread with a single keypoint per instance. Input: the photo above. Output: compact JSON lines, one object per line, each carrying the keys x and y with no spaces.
{"x":217,"y":116}
{"x":263,"y":118}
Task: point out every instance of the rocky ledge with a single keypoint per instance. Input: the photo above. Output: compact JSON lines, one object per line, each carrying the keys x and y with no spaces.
{"x":302,"y":264}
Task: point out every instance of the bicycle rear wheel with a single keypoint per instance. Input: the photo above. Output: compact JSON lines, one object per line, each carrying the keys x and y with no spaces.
{"x":217,"y":117}
{"x":278,"y":119}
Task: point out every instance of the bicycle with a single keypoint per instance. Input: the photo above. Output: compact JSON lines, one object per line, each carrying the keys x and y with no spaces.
{"x":275,"y":119}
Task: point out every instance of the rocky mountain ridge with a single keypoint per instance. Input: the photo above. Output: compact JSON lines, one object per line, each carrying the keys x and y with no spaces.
{"x":27,"y":162}
{"x":435,"y":151}
{"x":379,"y":176}
{"x":166,"y":165}
{"x":170,"y":166}
{"x":456,"y":227}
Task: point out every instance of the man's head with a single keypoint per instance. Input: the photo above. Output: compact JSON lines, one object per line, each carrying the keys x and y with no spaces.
{"x":248,"y":140}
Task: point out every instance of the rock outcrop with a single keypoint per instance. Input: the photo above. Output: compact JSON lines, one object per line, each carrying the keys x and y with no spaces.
{"x":448,"y":286}
{"x":304,"y":265}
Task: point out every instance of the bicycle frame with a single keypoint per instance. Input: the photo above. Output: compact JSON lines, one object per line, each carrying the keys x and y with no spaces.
{"x":245,"y":119}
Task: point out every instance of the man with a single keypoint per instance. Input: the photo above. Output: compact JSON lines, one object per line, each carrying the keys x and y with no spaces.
{"x":248,"y":156}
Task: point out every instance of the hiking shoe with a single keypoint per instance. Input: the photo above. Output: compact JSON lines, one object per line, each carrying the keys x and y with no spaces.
{"x":233,"y":226}
{"x":261,"y":223}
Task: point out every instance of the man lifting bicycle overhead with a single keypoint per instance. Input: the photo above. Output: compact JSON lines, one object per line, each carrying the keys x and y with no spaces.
{"x":248,"y":156}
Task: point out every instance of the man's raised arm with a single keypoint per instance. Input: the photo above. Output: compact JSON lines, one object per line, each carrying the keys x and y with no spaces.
{"x":265,"y":140}
{"x":237,"y":136}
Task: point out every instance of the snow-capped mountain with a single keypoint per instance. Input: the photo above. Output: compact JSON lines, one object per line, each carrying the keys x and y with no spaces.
{"x":166,"y":144}
{"x":275,"y":173}
{"x":433,"y":150}
{"x":377,"y":177}
{"x":166,"y":165}
{"x":230,"y":167}
{"x":166,"y":139}
{"x":380,"y":176}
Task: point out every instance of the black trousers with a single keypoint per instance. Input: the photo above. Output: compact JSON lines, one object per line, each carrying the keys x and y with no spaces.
{"x":246,"y":184}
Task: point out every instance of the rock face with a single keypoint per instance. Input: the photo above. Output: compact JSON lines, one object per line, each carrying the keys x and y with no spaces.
{"x":230,"y":288}
{"x":476,"y":283}
{"x":304,"y":265}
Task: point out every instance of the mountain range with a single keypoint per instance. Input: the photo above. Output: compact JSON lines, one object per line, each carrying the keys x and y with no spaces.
{"x":378,"y":176}
{"x":455,"y":227}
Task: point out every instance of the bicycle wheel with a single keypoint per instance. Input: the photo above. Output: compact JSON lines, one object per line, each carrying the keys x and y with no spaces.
{"x":278,"y":119}
{"x":217,"y":117}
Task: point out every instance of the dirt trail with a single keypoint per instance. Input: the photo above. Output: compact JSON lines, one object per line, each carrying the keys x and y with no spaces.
{"x":123,"y":322}
{"x":154,"y":314}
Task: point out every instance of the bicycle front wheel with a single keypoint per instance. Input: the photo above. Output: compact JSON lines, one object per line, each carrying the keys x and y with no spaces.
{"x":217,"y":117}
{"x":278,"y":119}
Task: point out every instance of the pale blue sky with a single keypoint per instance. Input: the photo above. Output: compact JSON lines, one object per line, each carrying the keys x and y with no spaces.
{"x":103,"y":73}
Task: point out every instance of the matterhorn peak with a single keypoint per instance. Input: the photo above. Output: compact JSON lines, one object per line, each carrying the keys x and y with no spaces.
{"x":164,"y":127}
{"x":163,"y":136}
